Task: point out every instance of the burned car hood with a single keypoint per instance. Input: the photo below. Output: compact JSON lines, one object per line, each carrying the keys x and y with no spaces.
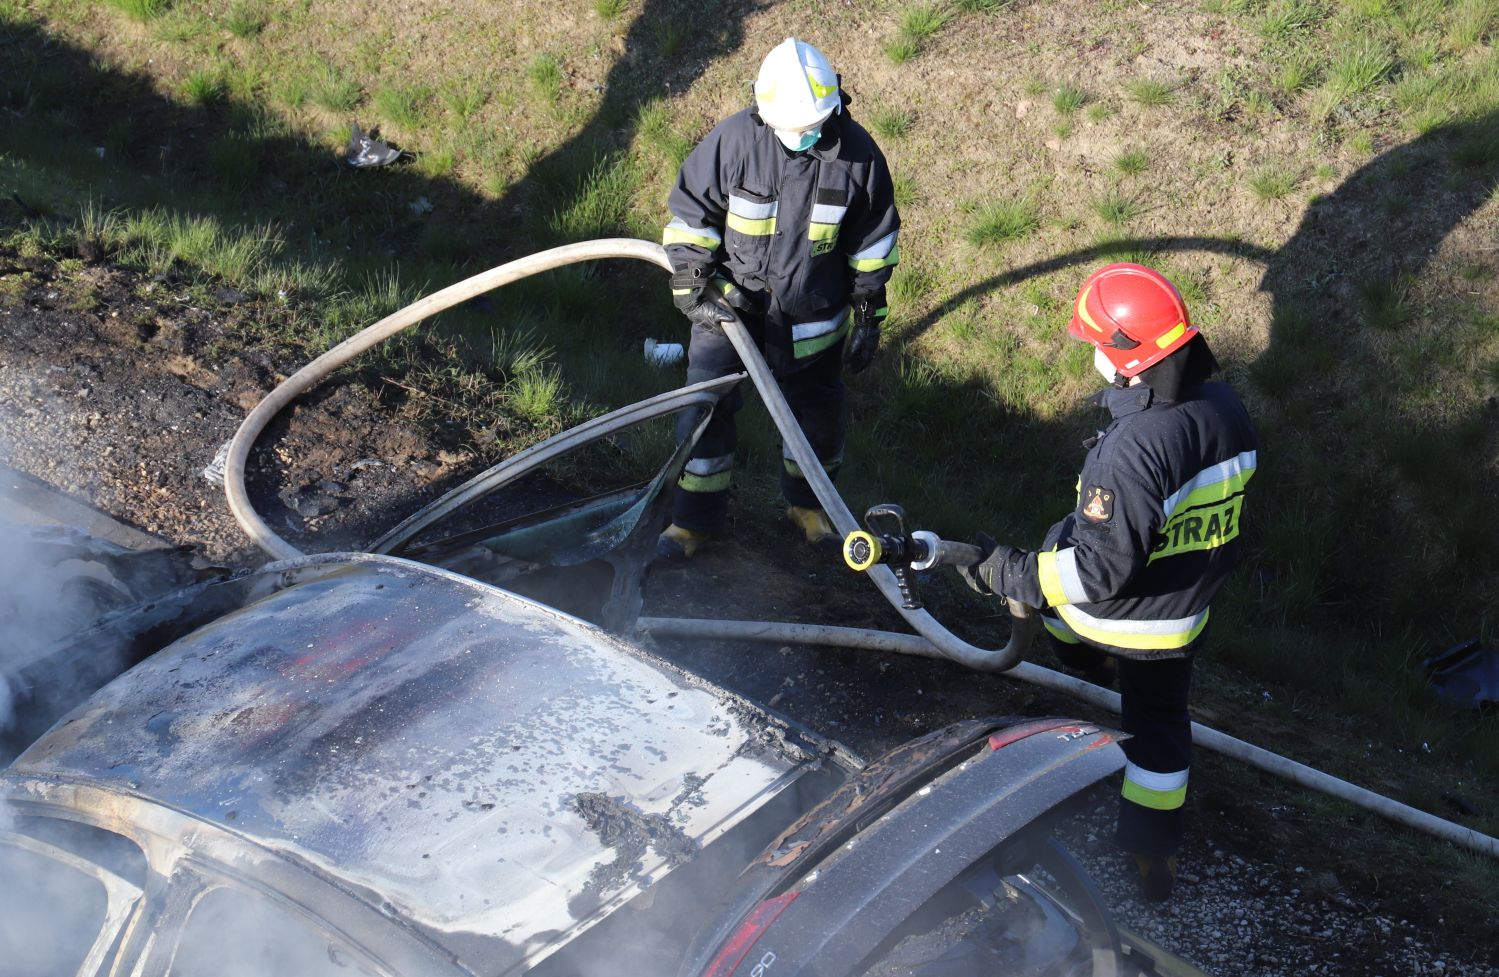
{"x":488,"y":768}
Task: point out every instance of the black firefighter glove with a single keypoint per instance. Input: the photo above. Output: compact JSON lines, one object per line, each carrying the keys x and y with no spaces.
{"x":869,"y":315}
{"x":693,"y":293}
{"x":989,"y":575}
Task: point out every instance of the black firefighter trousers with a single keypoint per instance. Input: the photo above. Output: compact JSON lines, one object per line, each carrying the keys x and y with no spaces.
{"x":1153,"y":710}
{"x":814,"y":390}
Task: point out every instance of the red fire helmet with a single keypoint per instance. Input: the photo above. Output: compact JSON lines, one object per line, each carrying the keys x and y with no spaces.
{"x":1133,"y":314}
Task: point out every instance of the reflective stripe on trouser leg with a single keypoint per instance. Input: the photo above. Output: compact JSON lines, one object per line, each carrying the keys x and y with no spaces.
{"x":1154,"y":696}
{"x":702,"y":498}
{"x":817,"y":398}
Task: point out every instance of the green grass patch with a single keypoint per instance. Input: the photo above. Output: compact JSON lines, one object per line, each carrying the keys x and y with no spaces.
{"x":403,"y":105}
{"x":1386,"y":301}
{"x":1117,"y":208}
{"x":1298,"y":72}
{"x":204,"y":87}
{"x":1068,"y":98}
{"x":671,"y":36}
{"x":332,"y":90}
{"x":907,"y":192}
{"x":545,"y":75}
{"x":1151,"y":92}
{"x":917,"y":26}
{"x":890,"y":121}
{"x":245,"y":18}
{"x":997,"y":222}
{"x":142,"y":11}
{"x":1132,"y":162}
{"x":610,"y":9}
{"x":981,"y":6}
{"x":600,"y":207}
{"x":463,"y":98}
{"x":901,"y":49}
{"x":921,"y":22}
{"x":1272,"y":182}
{"x":1284,"y":18}
{"x":1358,"y":65}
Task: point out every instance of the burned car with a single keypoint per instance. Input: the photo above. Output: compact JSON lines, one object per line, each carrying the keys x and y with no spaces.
{"x":377,"y":766}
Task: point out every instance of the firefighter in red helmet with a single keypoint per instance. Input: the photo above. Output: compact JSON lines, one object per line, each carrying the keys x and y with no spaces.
{"x":1125,"y":580}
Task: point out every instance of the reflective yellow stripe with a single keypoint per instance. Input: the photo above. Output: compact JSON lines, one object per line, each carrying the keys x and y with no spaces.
{"x":1156,"y":800}
{"x":756,"y":228}
{"x":816,"y":344}
{"x":822,"y":232}
{"x":705,"y":483}
{"x":795,"y":470}
{"x":1136,"y":635}
{"x":675,"y":235}
{"x":875,"y":264}
{"x":1171,"y":336}
{"x":1051,"y":581}
{"x":1058,"y":630}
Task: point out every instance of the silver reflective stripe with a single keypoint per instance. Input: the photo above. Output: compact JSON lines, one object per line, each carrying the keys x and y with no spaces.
{"x":1072,"y":584}
{"x":1180,"y":625}
{"x":811,"y":330}
{"x":1223,"y":471}
{"x":1151,"y":780}
{"x":710,"y":466}
{"x":878,"y":249}
{"x":749,"y":210}
{"x":827,"y":214}
{"x":677,"y":224}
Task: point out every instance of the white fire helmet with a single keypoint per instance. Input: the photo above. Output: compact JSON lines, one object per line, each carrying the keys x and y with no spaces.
{"x":797,"y":88}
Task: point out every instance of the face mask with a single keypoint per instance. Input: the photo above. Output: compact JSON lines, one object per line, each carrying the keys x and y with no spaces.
{"x":799,"y":141}
{"x":1103,"y":366}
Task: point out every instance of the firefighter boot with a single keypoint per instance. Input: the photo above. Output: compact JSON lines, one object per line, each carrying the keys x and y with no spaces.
{"x":815,"y":526}
{"x":677,"y":543}
{"x":1157,"y":876}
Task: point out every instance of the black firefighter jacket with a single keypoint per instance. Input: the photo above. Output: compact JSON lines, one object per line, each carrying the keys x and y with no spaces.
{"x":800,"y":233}
{"x":1134,"y":567}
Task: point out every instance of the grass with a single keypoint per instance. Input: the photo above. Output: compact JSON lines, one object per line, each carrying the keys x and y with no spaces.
{"x":1151,"y":92}
{"x":889,"y":121}
{"x":204,"y":87}
{"x":1001,"y":221}
{"x":245,"y":18}
{"x":1386,"y":302}
{"x":1359,"y":65}
{"x":1132,"y":162}
{"x":402,"y":105}
{"x":545,"y":75}
{"x":600,"y":206}
{"x":901,"y":49}
{"x":332,"y":90}
{"x":142,"y":11}
{"x":918,"y":24}
{"x":1272,"y":182}
{"x":610,"y":9}
{"x":463,"y":98}
{"x":1068,"y":98}
{"x":1116,"y":208}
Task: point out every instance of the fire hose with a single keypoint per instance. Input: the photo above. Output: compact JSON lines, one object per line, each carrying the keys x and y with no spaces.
{"x":934,"y":641}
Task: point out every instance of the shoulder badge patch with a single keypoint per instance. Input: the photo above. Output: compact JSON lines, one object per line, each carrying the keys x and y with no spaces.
{"x":1098,"y":503}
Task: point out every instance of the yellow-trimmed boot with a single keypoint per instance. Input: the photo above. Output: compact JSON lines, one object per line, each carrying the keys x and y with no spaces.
{"x":678,"y":543}
{"x":815,"y":526}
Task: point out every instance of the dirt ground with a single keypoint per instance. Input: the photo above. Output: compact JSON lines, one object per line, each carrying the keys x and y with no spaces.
{"x":119,"y":405}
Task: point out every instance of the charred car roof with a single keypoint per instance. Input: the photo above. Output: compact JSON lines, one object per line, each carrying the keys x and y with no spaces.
{"x":501,"y":774}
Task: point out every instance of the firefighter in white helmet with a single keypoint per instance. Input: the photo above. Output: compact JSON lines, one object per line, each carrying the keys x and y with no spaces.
{"x":786,"y":212}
